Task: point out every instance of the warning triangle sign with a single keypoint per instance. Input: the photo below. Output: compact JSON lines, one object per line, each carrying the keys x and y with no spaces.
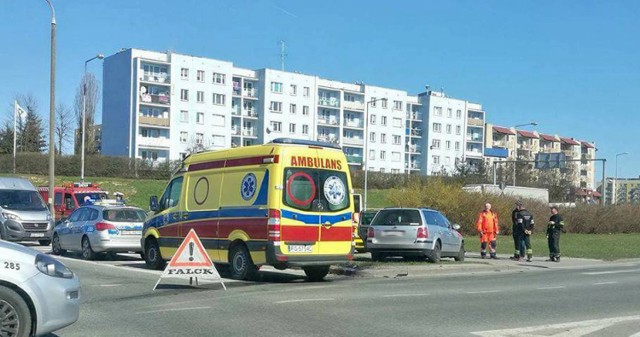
{"x":191,"y":261}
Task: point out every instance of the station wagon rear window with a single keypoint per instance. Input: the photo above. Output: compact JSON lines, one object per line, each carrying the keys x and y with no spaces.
{"x":397,"y":217}
{"x":315,"y":190}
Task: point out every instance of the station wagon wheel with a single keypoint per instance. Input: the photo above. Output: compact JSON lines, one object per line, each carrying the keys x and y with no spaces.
{"x":87,"y":251}
{"x":152,"y":257}
{"x":460,"y":256}
{"x":435,"y":254}
{"x":316,"y":273}
{"x":56,"y":249}
{"x":15,"y":317}
{"x":242,"y":267}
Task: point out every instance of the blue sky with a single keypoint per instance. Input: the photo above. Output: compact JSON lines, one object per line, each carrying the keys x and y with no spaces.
{"x":571,"y":66}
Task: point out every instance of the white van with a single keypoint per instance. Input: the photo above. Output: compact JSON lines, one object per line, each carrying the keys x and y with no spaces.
{"x":24,"y":216}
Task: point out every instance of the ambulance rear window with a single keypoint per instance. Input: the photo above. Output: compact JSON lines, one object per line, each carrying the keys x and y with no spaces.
{"x":315,"y":190}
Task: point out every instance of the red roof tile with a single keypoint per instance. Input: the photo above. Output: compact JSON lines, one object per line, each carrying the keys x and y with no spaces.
{"x":550,"y":138}
{"x":589,"y":145}
{"x":569,"y":141}
{"x":527,"y":134}
{"x":503,"y":130}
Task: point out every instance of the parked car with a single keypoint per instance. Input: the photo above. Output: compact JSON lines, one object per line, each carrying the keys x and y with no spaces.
{"x":38,"y":294}
{"x":365,"y":220}
{"x":97,"y":229}
{"x":414,"y":233}
{"x":23,"y":214}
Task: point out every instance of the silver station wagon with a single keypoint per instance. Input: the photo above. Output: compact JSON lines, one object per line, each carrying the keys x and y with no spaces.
{"x":414,"y":233}
{"x":97,"y":229}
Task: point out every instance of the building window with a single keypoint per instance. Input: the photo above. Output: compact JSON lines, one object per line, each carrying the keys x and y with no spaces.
{"x":276,"y":87}
{"x":276,"y":106}
{"x":458,"y":129}
{"x":305,"y":129}
{"x":395,"y":156}
{"x":200,"y":75}
{"x":457,"y":146}
{"x":218,"y":140}
{"x":305,"y":110}
{"x":305,"y":91}
{"x":448,"y":144}
{"x":292,"y":108}
{"x":397,"y":122}
{"x":437,"y":110}
{"x":184,"y":73}
{"x":397,"y":105}
{"x":383,"y":155}
{"x":199,"y":138}
{"x":384,"y":103}
{"x":293,"y":90}
{"x":435,"y":144}
{"x":372,"y":119}
{"x":449,"y":128}
{"x":383,"y":138}
{"x":458,"y":114}
{"x":383,"y":120}
{"x":436,"y":159}
{"x":218,"y":99}
{"x":276,"y":126}
{"x":217,"y":120}
{"x":397,"y":140}
{"x":200,"y":117}
{"x":184,"y":94}
{"x":292,"y":128}
{"x":437,"y":127}
{"x":372,"y":155}
{"x":219,"y":78}
{"x":184,"y":116}
{"x":449,"y":112}
{"x":373,"y":102}
{"x":200,"y":96}
{"x":372,"y":137}
{"x":184,"y":136}
{"x":447,"y":160}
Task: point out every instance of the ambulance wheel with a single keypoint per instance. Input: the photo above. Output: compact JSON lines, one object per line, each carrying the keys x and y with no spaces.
{"x":16,"y":318}
{"x":316,"y":273}
{"x":152,"y":257}
{"x":87,"y":251}
{"x":460,"y":257}
{"x":242,"y":267}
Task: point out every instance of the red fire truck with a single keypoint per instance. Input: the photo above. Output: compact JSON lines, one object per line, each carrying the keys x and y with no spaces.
{"x":70,"y":196}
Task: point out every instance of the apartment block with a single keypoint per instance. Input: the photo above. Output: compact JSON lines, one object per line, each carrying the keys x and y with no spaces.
{"x":625,"y":190}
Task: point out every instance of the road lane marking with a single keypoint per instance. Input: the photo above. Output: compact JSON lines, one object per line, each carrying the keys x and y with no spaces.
{"x":549,"y":288}
{"x":405,"y":295}
{"x":176,"y":309}
{"x":108,"y":285}
{"x":603,"y":283}
{"x":483,"y":292}
{"x":580,"y":328}
{"x":305,"y":300}
{"x":611,"y":272}
{"x":123,"y":268}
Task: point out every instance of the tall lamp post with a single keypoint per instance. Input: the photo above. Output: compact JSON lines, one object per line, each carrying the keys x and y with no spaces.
{"x":515,"y":152}
{"x":614,"y":197}
{"x":84,"y":108}
{"x":366,"y":146}
{"x":52,"y":103}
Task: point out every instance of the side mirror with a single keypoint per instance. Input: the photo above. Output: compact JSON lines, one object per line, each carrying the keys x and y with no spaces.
{"x":456,"y":226}
{"x":153,"y":203}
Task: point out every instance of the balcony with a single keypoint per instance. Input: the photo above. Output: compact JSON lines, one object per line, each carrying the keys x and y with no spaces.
{"x":328,"y":139}
{"x":330,"y":102}
{"x":252,"y":93}
{"x":413,"y":149}
{"x":413,"y":132}
{"x":155,"y":121}
{"x":354,"y":159}
{"x":416,"y":116}
{"x":356,"y":105}
{"x":250,"y":113}
{"x":249,"y":132}
{"x":475,"y":122}
{"x":328,"y":121}
{"x":235,"y":111}
{"x":235,"y":130}
{"x":154,"y":142}
{"x":156,"y":78}
{"x":162,"y":99}
{"x":356,"y":123}
{"x":352,"y":141}
{"x":475,"y":139}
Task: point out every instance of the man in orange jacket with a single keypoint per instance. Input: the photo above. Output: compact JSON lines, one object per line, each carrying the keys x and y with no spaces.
{"x":487,"y":227}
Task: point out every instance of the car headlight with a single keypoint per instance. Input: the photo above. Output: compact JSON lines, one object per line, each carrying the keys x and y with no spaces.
{"x":49,"y":218}
{"x":52,"y":267}
{"x":11,"y":216}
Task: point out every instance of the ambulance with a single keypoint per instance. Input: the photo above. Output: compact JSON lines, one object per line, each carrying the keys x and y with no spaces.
{"x":288,"y":203}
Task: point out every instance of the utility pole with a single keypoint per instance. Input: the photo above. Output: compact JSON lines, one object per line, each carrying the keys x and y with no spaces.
{"x":52,"y":103}
{"x":282,"y":55}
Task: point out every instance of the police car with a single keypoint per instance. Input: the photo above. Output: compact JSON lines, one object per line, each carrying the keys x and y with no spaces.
{"x":38,"y":294}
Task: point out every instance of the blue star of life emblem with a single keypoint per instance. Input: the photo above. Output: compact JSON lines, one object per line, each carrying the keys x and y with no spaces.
{"x":248,"y":186}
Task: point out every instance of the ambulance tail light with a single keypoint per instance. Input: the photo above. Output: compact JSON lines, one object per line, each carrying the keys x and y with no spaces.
{"x":423,"y":233}
{"x":103,"y":226}
{"x":273,"y":225}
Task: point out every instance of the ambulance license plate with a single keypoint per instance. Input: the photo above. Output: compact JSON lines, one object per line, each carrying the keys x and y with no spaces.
{"x":37,"y":235}
{"x":300,"y":249}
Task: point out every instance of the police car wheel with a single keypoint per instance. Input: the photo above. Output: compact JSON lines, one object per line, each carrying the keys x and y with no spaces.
{"x":316,"y":273}
{"x":56,"y":249}
{"x":434,"y":257}
{"x":16,"y":317}
{"x":152,"y":257}
{"x":87,"y":251}
{"x":242,"y":267}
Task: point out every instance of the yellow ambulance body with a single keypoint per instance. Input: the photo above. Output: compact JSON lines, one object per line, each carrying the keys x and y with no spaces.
{"x":287,"y":203}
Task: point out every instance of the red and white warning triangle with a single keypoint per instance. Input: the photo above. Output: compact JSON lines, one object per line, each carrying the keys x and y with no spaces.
{"x":191,"y":261}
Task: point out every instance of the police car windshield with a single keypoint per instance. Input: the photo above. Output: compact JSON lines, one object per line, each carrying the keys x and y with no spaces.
{"x":315,"y":190}
{"x":21,"y":200}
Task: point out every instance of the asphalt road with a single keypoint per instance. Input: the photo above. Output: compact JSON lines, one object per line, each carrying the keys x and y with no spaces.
{"x":117,"y":300}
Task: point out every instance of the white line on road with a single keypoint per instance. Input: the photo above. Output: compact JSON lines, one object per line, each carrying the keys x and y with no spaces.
{"x":107,"y":285}
{"x":483,"y":292}
{"x":581,"y":328}
{"x":123,"y":268}
{"x":176,"y":309}
{"x":405,"y":295}
{"x":305,"y":300}
{"x":549,"y":288}
{"x":611,"y":272}
{"x":603,"y":283}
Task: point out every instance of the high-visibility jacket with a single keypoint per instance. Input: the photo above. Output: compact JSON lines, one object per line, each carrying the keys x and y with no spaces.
{"x":487,"y":222}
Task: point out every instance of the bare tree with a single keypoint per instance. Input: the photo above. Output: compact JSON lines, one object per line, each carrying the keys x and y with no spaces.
{"x":63,"y":127}
{"x":90,"y":87}
{"x":195,"y":146}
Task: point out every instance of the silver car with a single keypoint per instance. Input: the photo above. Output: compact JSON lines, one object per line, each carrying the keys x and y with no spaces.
{"x":38,"y":294}
{"x":97,"y":229}
{"x":23,"y":214}
{"x":414,"y":233}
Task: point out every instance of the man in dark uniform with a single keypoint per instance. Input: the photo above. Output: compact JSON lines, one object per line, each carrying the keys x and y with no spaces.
{"x":554,"y":228}
{"x":524,"y":229}
{"x":519,"y":245}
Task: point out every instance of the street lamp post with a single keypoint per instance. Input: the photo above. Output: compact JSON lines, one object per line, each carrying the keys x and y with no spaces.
{"x":515,"y":152}
{"x":366,"y":150}
{"x":614,"y":197}
{"x":52,"y":102}
{"x":84,"y":108}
